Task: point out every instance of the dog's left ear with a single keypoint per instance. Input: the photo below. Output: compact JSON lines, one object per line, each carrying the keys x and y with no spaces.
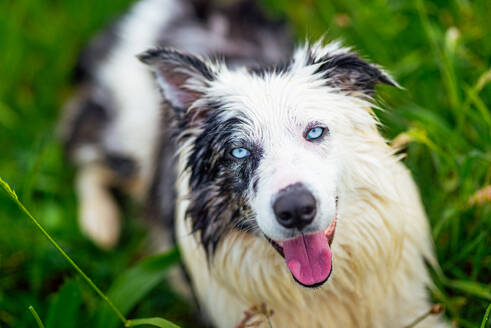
{"x":182,"y":78}
{"x":345,"y":70}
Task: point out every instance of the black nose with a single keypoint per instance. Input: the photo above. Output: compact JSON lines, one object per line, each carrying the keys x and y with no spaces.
{"x":295,"y":207}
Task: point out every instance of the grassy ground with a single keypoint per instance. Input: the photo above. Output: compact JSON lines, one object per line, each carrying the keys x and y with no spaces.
{"x":440,"y":51}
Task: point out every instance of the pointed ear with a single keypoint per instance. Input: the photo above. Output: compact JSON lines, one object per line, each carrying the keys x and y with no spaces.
{"x":345,"y":70}
{"x":181,"y":77}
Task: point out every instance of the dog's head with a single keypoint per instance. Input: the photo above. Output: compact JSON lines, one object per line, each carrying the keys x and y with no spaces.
{"x":266,"y":149}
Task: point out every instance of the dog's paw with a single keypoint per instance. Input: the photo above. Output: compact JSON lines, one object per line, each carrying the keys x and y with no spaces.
{"x":99,"y":215}
{"x":99,"y":219}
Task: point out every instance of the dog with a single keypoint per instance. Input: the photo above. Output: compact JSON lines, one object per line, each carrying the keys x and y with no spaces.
{"x":280,"y":188}
{"x":287,"y":195}
{"x":112,"y":127}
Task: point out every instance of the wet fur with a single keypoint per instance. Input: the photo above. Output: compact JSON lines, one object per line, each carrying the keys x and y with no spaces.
{"x":223,"y":211}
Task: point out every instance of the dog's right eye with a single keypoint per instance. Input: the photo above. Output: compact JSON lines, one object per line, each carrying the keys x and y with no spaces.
{"x":240,"y":153}
{"x":315,"y":133}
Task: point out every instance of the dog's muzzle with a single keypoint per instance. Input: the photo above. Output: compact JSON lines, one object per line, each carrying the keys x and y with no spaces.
{"x":308,"y":255}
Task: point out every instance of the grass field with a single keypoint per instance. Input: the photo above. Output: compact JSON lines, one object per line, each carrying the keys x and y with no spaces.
{"x":440,"y":51}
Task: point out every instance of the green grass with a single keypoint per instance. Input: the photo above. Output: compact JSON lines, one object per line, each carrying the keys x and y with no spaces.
{"x":440,"y":51}
{"x":127,"y":290}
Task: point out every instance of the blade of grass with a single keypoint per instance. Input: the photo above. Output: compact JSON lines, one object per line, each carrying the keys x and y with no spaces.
{"x":156,"y":322}
{"x":446,"y":66}
{"x":36,"y":316}
{"x":469,"y":287}
{"x":14,"y":196}
{"x":473,"y":96}
{"x":480,"y":105}
{"x":133,"y":284}
{"x":467,"y":250}
{"x":486,"y":316}
{"x":63,"y":312}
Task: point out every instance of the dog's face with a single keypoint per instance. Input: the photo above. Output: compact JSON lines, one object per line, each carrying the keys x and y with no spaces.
{"x":266,"y":149}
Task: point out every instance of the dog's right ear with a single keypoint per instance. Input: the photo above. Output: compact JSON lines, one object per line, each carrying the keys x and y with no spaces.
{"x":182,"y":78}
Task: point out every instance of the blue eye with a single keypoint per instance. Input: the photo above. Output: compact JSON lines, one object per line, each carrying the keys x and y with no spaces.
{"x":315,"y":133}
{"x":240,"y":153}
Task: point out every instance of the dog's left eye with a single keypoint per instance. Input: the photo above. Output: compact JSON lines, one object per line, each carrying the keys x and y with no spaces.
{"x":315,"y":133}
{"x":240,"y":153}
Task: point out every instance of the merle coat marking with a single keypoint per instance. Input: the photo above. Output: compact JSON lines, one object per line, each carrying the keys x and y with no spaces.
{"x":233,"y":245}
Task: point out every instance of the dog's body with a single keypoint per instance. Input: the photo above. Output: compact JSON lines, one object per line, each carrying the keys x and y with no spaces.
{"x":282,"y":182}
{"x":114,"y":129}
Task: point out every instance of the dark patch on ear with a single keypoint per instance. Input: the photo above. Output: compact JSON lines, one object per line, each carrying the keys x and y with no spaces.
{"x":175,"y":59}
{"x":174,"y":70}
{"x":349,"y":73}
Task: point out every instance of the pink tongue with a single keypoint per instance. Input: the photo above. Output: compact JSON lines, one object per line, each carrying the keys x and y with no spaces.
{"x":308,"y":258}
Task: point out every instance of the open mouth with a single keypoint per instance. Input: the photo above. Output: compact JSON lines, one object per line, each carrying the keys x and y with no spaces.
{"x":308,"y":257}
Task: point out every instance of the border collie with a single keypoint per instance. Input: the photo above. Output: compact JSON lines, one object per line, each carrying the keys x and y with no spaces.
{"x":285,"y":184}
{"x":281,"y":189}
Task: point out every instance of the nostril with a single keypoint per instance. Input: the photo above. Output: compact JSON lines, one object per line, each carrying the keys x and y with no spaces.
{"x":307,"y":210}
{"x":295,"y":207}
{"x":284,"y":213}
{"x":285,"y":218}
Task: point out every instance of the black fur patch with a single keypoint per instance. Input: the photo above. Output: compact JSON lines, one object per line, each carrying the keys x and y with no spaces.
{"x":88,"y":124}
{"x":219,"y":182}
{"x":124,"y":166}
{"x":351,"y":73}
{"x":201,"y":8}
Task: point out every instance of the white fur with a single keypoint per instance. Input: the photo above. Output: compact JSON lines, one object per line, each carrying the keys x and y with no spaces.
{"x":137,"y":119}
{"x":382,"y":237}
